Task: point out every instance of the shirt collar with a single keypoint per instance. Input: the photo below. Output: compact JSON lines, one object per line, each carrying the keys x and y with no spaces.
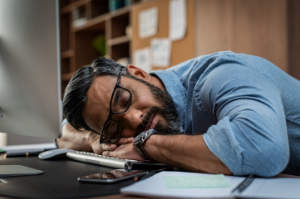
{"x":176,"y":90}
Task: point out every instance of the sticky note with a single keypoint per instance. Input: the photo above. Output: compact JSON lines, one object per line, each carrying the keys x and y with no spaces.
{"x":200,"y":181}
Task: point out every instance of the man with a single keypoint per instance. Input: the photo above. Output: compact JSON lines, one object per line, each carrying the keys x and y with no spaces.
{"x":219,"y":113}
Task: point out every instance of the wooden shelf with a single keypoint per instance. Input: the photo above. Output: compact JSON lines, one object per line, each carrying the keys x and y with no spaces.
{"x":119,"y":12}
{"x":95,"y":24}
{"x":118,"y":40}
{"x":79,"y":43}
{"x":67,"y":54}
{"x":76,"y":4}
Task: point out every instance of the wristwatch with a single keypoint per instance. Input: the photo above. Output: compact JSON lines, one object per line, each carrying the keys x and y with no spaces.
{"x":140,"y":140}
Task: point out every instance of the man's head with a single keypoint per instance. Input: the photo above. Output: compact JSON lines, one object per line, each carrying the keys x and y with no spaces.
{"x":116,"y":101}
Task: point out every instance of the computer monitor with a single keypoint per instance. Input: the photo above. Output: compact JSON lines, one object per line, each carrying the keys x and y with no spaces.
{"x":30,"y":99}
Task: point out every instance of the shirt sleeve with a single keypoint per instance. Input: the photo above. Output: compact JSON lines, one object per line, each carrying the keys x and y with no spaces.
{"x":250,"y":136}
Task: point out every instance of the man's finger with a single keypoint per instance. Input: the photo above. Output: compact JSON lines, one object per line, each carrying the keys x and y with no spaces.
{"x":108,"y":147}
{"x":116,"y":154}
{"x":99,"y":148}
{"x":106,"y":153}
{"x":125,"y":140}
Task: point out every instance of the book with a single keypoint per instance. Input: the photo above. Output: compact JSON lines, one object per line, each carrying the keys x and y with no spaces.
{"x":176,"y":184}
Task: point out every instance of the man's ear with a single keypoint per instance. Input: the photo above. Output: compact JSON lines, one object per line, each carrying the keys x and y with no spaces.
{"x":138,"y":72}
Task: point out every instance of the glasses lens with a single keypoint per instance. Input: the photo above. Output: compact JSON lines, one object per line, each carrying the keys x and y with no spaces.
{"x":111,"y":133}
{"x":121,"y":100}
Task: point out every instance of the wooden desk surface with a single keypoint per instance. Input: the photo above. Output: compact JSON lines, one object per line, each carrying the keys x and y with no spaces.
{"x":104,"y":197}
{"x":59,"y":181}
{"x":65,"y":176}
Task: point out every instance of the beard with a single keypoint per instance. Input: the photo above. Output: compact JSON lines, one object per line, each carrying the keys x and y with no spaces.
{"x":167,"y":111}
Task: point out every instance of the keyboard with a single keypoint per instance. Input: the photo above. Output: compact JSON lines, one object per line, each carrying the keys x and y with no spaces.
{"x":94,"y":158}
{"x":112,"y":162}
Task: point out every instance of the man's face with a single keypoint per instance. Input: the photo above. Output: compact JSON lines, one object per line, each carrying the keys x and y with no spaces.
{"x":150,"y":107}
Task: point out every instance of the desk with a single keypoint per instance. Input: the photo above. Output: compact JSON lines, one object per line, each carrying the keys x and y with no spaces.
{"x":58,"y":181}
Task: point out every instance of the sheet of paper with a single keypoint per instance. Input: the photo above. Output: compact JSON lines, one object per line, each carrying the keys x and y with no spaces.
{"x":177,"y":12}
{"x":161,"y":52}
{"x":142,"y":59}
{"x":199,"y":185}
{"x":204,"y":181}
{"x":157,"y":187}
{"x":148,"y":22}
{"x":275,"y":188}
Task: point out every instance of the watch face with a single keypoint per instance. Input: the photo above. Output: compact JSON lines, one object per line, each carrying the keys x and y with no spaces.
{"x":137,"y":140}
{"x":142,"y":137}
{"x":140,"y":140}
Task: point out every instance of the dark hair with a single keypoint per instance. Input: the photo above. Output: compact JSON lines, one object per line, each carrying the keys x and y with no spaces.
{"x":76,"y":90}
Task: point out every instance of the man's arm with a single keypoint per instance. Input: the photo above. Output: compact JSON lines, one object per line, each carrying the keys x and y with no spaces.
{"x":185,"y":151}
{"x":74,"y":139}
{"x":250,"y":136}
{"x":81,"y":140}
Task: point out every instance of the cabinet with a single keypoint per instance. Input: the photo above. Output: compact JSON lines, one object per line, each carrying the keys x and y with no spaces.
{"x":93,"y":28}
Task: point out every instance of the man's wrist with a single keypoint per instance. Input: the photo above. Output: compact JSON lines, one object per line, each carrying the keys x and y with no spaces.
{"x":91,"y":138}
{"x":140,"y":141}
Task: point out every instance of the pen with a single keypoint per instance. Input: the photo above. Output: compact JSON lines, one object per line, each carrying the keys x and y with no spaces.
{"x":149,"y":174}
{"x":244,"y":184}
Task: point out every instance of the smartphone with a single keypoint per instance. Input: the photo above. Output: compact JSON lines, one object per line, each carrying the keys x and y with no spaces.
{"x":112,"y":176}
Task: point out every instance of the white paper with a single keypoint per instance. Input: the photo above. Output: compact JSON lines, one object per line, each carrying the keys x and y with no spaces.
{"x":155,"y":186}
{"x":161,"y":52}
{"x":275,"y":188}
{"x":3,"y":138}
{"x":142,"y":59}
{"x":265,"y":188}
{"x":148,"y":22}
{"x":14,"y":150}
{"x":177,"y":11}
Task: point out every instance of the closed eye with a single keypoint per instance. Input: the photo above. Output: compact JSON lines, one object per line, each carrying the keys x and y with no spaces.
{"x":124,"y":100}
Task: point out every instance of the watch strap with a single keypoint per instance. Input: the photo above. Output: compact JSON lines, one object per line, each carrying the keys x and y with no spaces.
{"x":140,"y":140}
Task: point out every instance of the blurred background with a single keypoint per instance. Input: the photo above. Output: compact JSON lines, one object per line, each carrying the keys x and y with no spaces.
{"x":157,"y":34}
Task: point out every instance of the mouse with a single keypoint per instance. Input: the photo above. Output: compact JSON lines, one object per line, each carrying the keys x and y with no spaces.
{"x":54,"y":154}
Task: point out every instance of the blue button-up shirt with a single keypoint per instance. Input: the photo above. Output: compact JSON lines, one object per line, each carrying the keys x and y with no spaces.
{"x":247,"y":109}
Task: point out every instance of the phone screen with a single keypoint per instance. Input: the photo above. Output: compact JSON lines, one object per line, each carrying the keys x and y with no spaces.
{"x":112,"y":176}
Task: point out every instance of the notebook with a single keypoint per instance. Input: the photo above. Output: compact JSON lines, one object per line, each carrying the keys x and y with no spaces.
{"x":17,"y":170}
{"x":176,"y":184}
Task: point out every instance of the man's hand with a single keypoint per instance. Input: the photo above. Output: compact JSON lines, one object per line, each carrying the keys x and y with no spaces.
{"x":125,"y":150}
{"x":97,"y":147}
{"x":82,"y":140}
{"x":74,"y":139}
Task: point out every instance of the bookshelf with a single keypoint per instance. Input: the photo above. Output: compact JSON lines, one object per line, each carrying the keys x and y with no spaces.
{"x":93,"y":28}
{"x":258,"y":27}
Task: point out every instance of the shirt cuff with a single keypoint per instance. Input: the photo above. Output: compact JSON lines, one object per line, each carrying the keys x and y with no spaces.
{"x":222,"y":143}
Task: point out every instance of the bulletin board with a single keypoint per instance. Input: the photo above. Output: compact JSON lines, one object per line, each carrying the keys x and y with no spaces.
{"x":182,"y":49}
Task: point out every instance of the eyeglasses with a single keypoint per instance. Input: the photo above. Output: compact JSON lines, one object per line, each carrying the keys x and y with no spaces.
{"x":120,"y":102}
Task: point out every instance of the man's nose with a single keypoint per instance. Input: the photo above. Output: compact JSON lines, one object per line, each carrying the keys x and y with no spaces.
{"x":133,"y":118}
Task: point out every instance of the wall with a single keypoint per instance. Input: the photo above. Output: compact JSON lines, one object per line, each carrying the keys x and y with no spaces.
{"x":258,"y":27}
